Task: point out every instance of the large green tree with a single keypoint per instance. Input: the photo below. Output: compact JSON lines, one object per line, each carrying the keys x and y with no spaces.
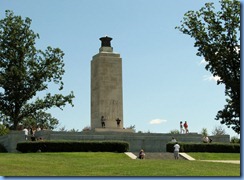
{"x":25,"y":71}
{"x":217,"y":37}
{"x":41,"y":119}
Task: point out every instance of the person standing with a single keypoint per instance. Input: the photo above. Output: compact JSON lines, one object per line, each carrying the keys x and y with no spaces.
{"x":103,"y":121}
{"x":26,"y":133}
{"x":176,"y":150}
{"x":118,"y":122}
{"x":181,"y":128}
{"x":186,"y":127}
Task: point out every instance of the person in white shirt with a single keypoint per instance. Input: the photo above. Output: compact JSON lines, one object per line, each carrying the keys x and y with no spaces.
{"x":26,"y":133}
{"x":176,"y":150}
{"x":181,"y":128}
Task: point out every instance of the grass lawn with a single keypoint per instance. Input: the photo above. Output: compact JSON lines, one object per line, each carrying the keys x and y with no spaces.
{"x":106,"y":164}
{"x":215,"y":156}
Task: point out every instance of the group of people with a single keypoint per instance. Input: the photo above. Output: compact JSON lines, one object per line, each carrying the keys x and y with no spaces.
{"x":30,"y":132}
{"x":184,"y":127}
{"x":103,"y":121}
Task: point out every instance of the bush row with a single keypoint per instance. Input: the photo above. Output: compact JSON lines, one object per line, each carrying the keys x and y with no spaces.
{"x":205,"y":147}
{"x":73,"y":146}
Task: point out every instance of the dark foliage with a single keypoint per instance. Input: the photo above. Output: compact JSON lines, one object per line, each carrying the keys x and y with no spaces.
{"x":25,"y":71}
{"x":217,"y":37}
{"x":73,"y":146}
{"x":3,"y":149}
{"x":205,"y":147}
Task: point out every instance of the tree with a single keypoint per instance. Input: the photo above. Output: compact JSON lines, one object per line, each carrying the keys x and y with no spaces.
{"x":174,"y":131}
{"x":217,"y":37}
{"x":42,"y":119}
{"x":25,"y":71}
{"x":133,"y":127}
{"x":3,"y":130}
{"x":218,"y":130}
{"x":204,"y":132}
{"x":86,"y":128}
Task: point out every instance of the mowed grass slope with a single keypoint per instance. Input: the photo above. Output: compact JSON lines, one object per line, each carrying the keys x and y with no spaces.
{"x":106,"y":164}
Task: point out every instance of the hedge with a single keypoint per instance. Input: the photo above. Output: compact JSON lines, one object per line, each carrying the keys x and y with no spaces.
{"x":205,"y":147}
{"x":73,"y":146}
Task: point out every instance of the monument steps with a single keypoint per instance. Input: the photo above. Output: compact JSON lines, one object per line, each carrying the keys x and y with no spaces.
{"x":159,"y":155}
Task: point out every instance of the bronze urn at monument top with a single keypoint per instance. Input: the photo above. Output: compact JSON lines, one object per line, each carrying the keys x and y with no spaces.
{"x":106,"y":88}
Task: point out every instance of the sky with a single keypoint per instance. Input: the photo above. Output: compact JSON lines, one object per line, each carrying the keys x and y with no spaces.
{"x":164,"y":82}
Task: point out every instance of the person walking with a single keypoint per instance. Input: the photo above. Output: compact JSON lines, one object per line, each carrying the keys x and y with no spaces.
{"x":176,"y":150}
{"x":26,"y":133}
{"x":186,"y":127}
{"x":181,"y":128}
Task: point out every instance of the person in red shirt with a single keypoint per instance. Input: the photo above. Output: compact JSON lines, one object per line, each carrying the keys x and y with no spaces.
{"x":186,"y":127}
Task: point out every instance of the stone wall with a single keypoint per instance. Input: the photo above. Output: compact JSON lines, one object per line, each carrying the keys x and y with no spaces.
{"x":10,"y":140}
{"x":150,"y":142}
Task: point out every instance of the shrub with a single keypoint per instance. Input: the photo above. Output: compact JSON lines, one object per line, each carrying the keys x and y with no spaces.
{"x":205,"y":147}
{"x":2,"y":148}
{"x":73,"y":146}
{"x":235,"y":140}
{"x":174,"y":131}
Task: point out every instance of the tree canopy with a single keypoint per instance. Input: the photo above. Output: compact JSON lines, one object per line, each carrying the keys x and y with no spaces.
{"x":217,"y":37}
{"x":25,"y":71}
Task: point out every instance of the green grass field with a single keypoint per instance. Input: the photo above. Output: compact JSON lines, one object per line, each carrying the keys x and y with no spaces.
{"x":106,"y":164}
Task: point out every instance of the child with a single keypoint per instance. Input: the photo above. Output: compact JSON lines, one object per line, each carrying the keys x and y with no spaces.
{"x":141,"y":154}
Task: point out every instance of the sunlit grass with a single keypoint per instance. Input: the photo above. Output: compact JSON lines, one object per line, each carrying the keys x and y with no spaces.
{"x":106,"y":164}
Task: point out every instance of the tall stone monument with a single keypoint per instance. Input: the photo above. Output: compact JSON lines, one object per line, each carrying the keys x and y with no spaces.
{"x":106,"y":88}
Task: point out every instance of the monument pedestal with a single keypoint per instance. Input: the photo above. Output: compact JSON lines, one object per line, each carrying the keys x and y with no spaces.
{"x":114,"y":130}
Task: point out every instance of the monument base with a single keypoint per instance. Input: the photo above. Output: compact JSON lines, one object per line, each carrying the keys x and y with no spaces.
{"x":114,"y":130}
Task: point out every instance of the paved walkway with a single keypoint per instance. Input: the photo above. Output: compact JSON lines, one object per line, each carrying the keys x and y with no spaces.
{"x":223,"y":161}
{"x":187,"y":157}
{"x":131,"y":155}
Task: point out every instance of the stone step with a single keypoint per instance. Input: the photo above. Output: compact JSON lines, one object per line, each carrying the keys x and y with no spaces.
{"x":131,"y":155}
{"x":159,"y":155}
{"x":186,"y":156}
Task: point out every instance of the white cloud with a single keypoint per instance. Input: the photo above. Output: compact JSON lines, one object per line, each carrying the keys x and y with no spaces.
{"x":208,"y":77}
{"x":211,"y":78}
{"x":157,"y":121}
{"x":203,"y":62}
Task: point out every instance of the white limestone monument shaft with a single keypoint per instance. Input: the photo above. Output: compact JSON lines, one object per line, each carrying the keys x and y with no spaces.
{"x":106,"y":88}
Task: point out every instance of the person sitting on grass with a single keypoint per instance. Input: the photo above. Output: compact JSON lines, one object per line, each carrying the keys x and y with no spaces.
{"x":141,"y":154}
